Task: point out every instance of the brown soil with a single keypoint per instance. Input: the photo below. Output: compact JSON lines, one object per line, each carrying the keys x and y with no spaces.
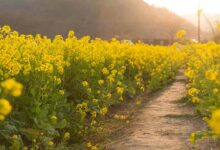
{"x":164,"y":123}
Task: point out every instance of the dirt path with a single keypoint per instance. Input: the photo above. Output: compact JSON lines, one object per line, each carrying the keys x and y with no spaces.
{"x":164,"y":123}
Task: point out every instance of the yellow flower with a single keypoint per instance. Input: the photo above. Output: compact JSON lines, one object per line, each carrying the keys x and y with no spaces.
{"x":119,"y":83}
{"x":85,"y":83}
{"x":89,"y":144}
{"x":10,"y":85}
{"x":46,"y":68}
{"x":120,"y":90}
{"x":109,"y":95}
{"x":214,"y":122}
{"x":116,"y":116}
{"x":6,"y":29}
{"x":121,"y":98}
{"x":2,"y":117}
{"x":189,"y":73}
{"x":103,"y":111}
{"x":66,"y":136}
{"x":93,"y":122}
{"x":82,"y":106}
{"x":105,"y":71}
{"x":93,"y":148}
{"x":205,"y":119}
{"x":93,"y":64}
{"x":71,"y":34}
{"x":5,"y":107}
{"x":61,"y":92}
{"x":53,"y":119}
{"x":211,"y":75}
{"x":98,"y":92}
{"x":16,"y":93}
{"x":195,"y":100}
{"x":15,"y":136}
{"x":95,"y":101}
{"x":122,"y":117}
{"x":111,"y":79}
{"x":58,"y":81}
{"x":180,"y":34}
{"x":89,"y":90}
{"x":94,"y":114}
{"x":50,"y":143}
{"x":192,"y":138}
{"x":193,"y":92}
{"x":138,"y":102}
{"x":142,"y":88}
{"x":215,"y":90}
{"x":25,"y":148}
{"x":101,"y":82}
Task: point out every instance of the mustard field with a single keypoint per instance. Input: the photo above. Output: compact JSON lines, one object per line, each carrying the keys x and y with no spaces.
{"x":54,"y":92}
{"x":204,"y":84}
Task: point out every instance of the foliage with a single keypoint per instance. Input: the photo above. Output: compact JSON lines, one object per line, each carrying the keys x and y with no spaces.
{"x":68,"y":84}
{"x":204,"y":84}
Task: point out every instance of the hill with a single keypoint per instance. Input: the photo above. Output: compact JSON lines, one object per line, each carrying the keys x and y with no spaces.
{"x":124,"y":19}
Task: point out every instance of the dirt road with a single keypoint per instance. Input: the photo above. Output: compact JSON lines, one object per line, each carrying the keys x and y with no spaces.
{"x":164,"y":123}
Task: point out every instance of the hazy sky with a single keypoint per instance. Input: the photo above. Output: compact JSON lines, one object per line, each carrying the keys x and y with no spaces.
{"x":188,"y":6}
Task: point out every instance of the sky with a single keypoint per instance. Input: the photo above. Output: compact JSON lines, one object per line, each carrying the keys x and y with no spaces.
{"x":182,"y":7}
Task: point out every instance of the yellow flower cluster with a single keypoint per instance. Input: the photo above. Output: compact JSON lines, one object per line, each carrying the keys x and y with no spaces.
{"x":202,"y":71}
{"x":5,"y":108}
{"x":85,"y":83}
{"x":82,"y":76}
{"x":214,"y":122}
{"x":105,"y":71}
{"x":211,"y":75}
{"x":90,"y":146}
{"x":193,"y":92}
{"x":9,"y":87}
{"x":180,"y":34}
{"x":12,"y":87}
{"x":101,"y":82}
{"x":66,"y":136}
{"x":120,"y":90}
{"x":120,"y":117}
{"x":103,"y":111}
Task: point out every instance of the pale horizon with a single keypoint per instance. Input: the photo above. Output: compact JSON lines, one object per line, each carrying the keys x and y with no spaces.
{"x":187,"y":6}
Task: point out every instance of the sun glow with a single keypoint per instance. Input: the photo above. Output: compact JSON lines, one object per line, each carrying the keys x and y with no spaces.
{"x":187,"y":6}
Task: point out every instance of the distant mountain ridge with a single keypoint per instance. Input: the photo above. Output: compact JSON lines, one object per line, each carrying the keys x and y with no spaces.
{"x":124,"y":19}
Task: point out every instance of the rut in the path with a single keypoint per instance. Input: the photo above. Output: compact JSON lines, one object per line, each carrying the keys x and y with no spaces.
{"x":163,"y":124}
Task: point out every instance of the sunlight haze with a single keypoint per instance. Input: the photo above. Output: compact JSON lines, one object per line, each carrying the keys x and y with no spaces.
{"x":109,"y":75}
{"x":187,"y":6}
